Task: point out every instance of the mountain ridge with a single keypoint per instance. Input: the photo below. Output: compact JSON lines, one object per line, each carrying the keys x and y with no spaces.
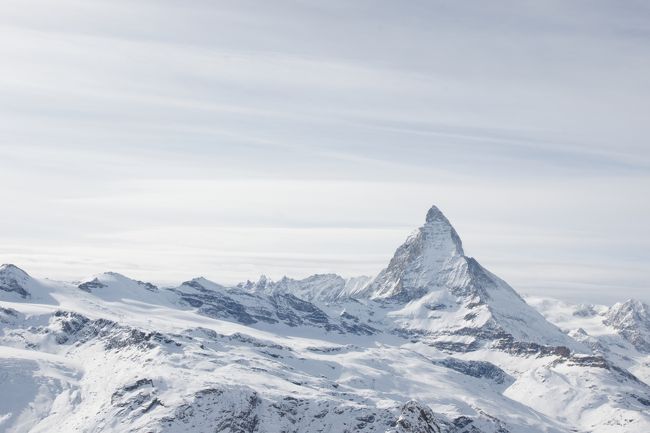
{"x":434,"y":343}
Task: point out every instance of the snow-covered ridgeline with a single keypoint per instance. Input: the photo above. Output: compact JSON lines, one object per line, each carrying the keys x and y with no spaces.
{"x":434,"y":343}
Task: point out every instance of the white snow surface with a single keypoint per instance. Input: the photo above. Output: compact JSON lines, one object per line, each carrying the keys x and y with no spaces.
{"x":435,"y":343}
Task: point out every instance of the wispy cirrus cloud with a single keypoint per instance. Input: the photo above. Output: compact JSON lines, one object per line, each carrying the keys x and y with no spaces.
{"x":234,"y":133}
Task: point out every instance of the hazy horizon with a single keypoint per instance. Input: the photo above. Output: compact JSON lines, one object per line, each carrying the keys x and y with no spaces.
{"x":234,"y":139}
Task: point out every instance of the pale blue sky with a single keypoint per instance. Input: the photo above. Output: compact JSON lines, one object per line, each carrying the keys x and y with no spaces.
{"x":168,"y":139}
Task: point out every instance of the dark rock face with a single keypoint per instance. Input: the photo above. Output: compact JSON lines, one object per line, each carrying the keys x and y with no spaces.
{"x":598,"y":361}
{"x":90,"y":285}
{"x":642,"y":400}
{"x":477,"y":369}
{"x":256,"y":342}
{"x":13,"y":286}
{"x":96,"y":283}
{"x":244,"y":420}
{"x":249,"y":308}
{"x":220,"y":306}
{"x":243,"y":410}
{"x":12,"y":279}
{"x":418,"y":418}
{"x":136,"y":398}
{"x":448,"y":346}
{"x":353,"y":325}
{"x":295,"y":312}
{"x":148,"y":286}
{"x":488,"y":334}
{"x":508,"y":344}
{"x":8,"y":315}
{"x":212,"y":405}
{"x":138,"y":384}
{"x":76,"y":328}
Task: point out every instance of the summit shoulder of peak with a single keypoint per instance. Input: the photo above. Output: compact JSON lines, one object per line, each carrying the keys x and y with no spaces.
{"x":9,"y":268}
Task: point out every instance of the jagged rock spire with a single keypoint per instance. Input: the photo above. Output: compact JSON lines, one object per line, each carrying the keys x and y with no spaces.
{"x":418,"y":264}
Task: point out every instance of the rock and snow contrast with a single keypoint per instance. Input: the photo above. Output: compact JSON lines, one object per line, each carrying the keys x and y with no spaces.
{"x":434,"y":343}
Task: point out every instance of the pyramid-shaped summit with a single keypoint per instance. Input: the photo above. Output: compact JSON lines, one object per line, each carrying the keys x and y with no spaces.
{"x":426,"y":261}
{"x":452,"y":294}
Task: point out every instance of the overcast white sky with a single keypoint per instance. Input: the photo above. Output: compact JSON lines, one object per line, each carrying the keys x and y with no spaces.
{"x":171,"y":139}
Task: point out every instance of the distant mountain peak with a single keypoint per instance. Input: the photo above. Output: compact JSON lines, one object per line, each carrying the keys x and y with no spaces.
{"x":202,"y":284}
{"x":432,"y":251}
{"x":11,"y":269}
{"x":322,"y":287}
{"x":636,"y":305}
{"x":450,"y":293}
{"x":13,"y":281}
{"x":113,"y":281}
{"x":632,"y":320}
{"x":630,"y":310}
{"x":16,"y":285}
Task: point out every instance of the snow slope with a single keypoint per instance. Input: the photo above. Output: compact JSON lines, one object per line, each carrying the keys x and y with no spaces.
{"x":435,"y":343}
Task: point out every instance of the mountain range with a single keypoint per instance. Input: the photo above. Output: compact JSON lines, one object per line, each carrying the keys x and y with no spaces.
{"x":434,"y":343}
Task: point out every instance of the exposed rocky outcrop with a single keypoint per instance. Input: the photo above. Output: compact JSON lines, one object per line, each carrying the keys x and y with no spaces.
{"x":632,"y":320}
{"x":13,"y":281}
{"x":477,"y":369}
{"x":249,"y":308}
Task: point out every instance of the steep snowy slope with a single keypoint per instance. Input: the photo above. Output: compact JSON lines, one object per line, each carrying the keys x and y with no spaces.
{"x":435,"y":343}
{"x":427,"y":261}
{"x":16,"y":285}
{"x":445,"y":294}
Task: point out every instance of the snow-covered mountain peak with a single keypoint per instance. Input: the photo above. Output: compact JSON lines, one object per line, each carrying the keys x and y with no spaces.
{"x":315,"y":354}
{"x":631,"y":313}
{"x":14,"y":282}
{"x":203,"y":284}
{"x":632,"y":309}
{"x":17,"y":285}
{"x":112,"y":286}
{"x":431,"y":280}
{"x":632,"y":320}
{"x":324,"y":287}
{"x":9,"y":270}
{"x":114,"y":280}
{"x":428,"y":259}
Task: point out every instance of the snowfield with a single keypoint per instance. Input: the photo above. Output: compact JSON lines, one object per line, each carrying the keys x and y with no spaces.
{"x":434,"y":343}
